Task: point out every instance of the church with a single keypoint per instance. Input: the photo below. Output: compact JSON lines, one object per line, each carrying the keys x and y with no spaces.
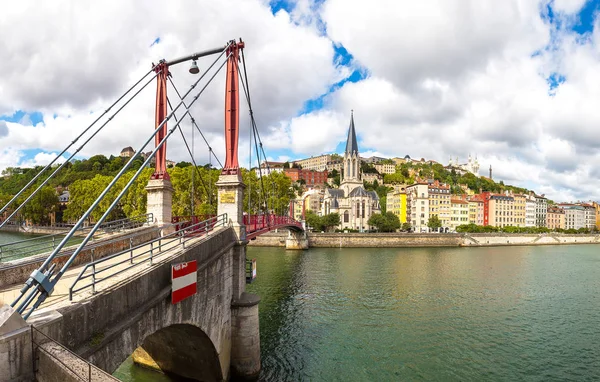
{"x":351,"y":201}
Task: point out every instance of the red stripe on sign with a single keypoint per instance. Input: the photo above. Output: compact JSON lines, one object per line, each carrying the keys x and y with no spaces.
{"x":183,"y":269}
{"x":183,"y":293}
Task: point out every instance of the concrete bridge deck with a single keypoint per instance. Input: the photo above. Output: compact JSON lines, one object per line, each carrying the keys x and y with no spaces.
{"x":60,"y":297}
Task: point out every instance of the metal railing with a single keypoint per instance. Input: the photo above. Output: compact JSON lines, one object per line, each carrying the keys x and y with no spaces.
{"x":45,"y":243}
{"x":258,"y":222}
{"x":98,"y":271}
{"x":186,"y":221}
{"x":127,"y":223}
{"x":85,"y":370}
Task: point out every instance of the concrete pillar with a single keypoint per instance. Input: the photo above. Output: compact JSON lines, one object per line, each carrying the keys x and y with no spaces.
{"x":239,"y":270}
{"x":245,"y":337}
{"x":160,"y":199}
{"x":296,"y":240}
{"x":231,"y":202}
{"x":15,"y":347}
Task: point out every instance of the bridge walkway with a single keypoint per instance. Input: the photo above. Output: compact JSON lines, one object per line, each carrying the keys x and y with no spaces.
{"x":60,"y":296}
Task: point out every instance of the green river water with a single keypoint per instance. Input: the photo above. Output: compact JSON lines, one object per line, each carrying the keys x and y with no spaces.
{"x":426,"y":314}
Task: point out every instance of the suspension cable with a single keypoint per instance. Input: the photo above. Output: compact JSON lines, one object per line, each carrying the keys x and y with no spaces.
{"x":249,"y":168}
{"x":255,"y":132}
{"x":195,"y":124}
{"x":43,"y":278}
{"x":72,"y":143}
{"x":76,"y":151}
{"x":188,"y":149}
{"x":193,"y":201}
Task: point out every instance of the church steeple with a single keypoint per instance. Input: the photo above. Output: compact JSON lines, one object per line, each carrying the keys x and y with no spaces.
{"x":351,"y":156}
{"x":351,"y":145}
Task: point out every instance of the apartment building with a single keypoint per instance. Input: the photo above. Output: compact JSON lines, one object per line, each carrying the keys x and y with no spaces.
{"x":385,"y":168}
{"x":541,"y":209}
{"x":459,"y":213}
{"x":417,"y":198}
{"x":520,"y":210}
{"x":318,"y":163}
{"x":529,"y":211}
{"x":574,"y":215}
{"x":501,"y":210}
{"x":439,"y":202}
{"x":310,"y":177}
{"x":555,"y":218}
{"x":396,"y":202}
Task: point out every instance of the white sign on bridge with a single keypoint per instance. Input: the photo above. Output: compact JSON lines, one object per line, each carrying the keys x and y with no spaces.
{"x":183,"y":280}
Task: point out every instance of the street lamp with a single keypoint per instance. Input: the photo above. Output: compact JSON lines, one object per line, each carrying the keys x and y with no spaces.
{"x":194,"y":68}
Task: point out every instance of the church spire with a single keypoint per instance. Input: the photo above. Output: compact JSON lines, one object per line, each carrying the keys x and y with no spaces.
{"x":351,"y":145}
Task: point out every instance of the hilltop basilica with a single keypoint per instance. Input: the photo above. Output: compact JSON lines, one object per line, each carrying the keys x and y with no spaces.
{"x":354,"y":204}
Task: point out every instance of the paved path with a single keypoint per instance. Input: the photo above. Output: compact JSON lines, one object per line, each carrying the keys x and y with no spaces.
{"x":60,"y":296}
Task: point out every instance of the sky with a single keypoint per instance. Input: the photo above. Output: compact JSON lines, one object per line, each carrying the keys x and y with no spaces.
{"x":514,"y":82}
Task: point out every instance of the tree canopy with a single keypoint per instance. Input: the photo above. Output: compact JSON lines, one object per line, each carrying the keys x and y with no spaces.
{"x":386,"y":222}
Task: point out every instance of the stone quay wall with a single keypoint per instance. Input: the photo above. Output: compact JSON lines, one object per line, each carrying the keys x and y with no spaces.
{"x":399,"y":240}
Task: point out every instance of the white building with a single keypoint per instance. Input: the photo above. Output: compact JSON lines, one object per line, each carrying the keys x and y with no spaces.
{"x":471,"y":166}
{"x":590,"y":215}
{"x":574,"y":216}
{"x":530,"y":211}
{"x":417,"y":199}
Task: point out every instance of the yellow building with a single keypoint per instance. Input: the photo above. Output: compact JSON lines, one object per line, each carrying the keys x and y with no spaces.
{"x":318,"y":163}
{"x":459,"y":213}
{"x":396,"y":202}
{"x":385,"y":168}
{"x":597,"y":207}
{"x":519,"y":210}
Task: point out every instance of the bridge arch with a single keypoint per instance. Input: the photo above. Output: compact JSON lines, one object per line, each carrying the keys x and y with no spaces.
{"x":186,"y":351}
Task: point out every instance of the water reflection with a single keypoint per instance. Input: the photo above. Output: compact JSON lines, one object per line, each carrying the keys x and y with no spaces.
{"x":506,"y":313}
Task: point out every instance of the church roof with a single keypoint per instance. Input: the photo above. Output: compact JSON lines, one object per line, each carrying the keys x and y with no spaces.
{"x":360,"y":191}
{"x":351,"y":144}
{"x":336,"y":192}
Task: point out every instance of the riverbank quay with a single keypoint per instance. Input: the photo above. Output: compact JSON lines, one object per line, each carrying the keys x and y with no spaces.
{"x":38,"y":230}
{"x":401,"y":240}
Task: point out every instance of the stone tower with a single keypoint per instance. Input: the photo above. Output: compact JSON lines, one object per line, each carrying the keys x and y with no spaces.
{"x":351,"y":177}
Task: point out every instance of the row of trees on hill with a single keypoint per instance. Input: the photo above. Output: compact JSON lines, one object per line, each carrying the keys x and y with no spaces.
{"x":86,"y":181}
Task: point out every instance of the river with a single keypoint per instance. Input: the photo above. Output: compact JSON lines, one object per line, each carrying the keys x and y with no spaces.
{"x":435,"y":314}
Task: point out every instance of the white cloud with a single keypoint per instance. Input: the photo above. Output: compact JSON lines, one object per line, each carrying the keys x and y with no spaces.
{"x":72,"y":67}
{"x":568,"y":6}
{"x":445,"y":78}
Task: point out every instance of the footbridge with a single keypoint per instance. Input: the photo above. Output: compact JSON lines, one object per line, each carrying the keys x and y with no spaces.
{"x":169,"y":290}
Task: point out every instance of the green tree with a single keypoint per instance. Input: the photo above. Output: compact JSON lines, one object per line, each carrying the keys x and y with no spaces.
{"x":406,"y":227}
{"x":183,"y":164}
{"x":331,"y":221}
{"x":39,"y":208}
{"x":434,"y":223}
{"x":83,"y":194}
{"x":387,"y":222}
{"x":314,"y":221}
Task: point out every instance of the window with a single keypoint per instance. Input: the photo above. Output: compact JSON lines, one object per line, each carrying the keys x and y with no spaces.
{"x":346,"y":217}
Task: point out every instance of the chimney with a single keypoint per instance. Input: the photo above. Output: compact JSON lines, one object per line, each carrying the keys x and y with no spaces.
{"x":490,"y":172}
